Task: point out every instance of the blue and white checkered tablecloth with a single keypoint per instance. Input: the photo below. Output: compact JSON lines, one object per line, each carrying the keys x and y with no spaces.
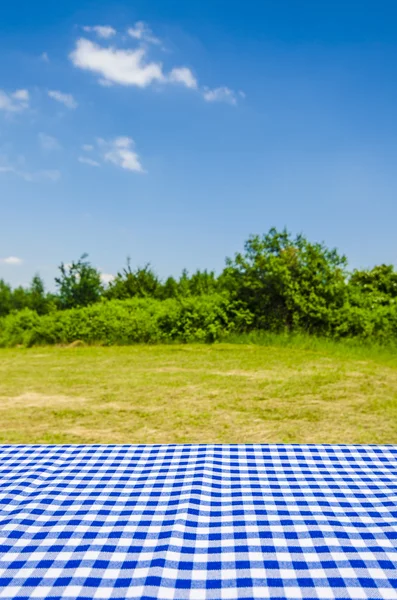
{"x":198,"y":521}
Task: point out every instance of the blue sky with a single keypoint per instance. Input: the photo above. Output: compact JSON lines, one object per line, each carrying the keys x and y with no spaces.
{"x":170,"y":131}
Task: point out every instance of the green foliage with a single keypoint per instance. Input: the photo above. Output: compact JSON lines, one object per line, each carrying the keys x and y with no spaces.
{"x":169,"y":289}
{"x":203,"y":282}
{"x":287,"y":283}
{"x":79,"y":284}
{"x":141,"y":283}
{"x":183,"y":284}
{"x":381,"y":280}
{"x":33,"y":297}
{"x":279,"y":283}
{"x":38,"y":299}
{"x":144,"y":283}
{"x":5,"y":298}
{"x":18,"y":328}
{"x":201,"y":319}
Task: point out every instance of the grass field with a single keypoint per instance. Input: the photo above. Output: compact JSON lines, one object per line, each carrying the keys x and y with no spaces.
{"x":197,"y":393}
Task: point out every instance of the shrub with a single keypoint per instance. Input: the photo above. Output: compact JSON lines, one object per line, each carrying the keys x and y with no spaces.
{"x":201,"y":319}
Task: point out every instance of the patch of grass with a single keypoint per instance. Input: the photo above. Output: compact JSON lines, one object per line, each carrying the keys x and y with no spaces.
{"x":281,"y":390}
{"x":353,"y":347}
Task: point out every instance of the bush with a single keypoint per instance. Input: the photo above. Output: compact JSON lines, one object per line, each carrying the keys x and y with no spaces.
{"x":200,"y":319}
{"x":192,"y":319}
{"x":376,"y":323}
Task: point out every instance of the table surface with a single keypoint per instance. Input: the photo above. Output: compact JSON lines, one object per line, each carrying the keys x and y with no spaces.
{"x":198,"y":521}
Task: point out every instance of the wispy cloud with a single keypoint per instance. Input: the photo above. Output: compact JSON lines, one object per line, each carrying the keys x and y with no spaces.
{"x":102,"y":31}
{"x":220,"y":94}
{"x":11,"y":260}
{"x":121,"y":153}
{"x":45,"y":57}
{"x":14,"y":101}
{"x":185,"y":76}
{"x":48,"y":142}
{"x":65,"y":99}
{"x":88,"y":161}
{"x":31,"y":176}
{"x":142,"y":32}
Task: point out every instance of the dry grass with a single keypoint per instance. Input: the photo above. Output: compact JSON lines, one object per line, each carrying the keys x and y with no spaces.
{"x":174,"y":394}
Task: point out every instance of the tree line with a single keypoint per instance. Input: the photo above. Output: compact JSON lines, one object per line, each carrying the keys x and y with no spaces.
{"x":279,"y":282}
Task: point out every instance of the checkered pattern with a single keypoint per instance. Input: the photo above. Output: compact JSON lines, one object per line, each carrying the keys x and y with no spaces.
{"x":198,"y":521}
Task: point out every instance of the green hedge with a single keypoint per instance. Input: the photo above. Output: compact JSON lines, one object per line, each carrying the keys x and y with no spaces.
{"x":193,"y":319}
{"x":202,"y":319}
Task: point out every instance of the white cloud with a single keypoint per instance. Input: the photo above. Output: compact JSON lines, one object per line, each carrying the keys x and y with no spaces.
{"x":45,"y":57}
{"x":88,"y":161}
{"x":183,"y":75}
{"x":11,"y":260}
{"x":121,"y":153}
{"x":132,"y":67}
{"x":32,"y":176}
{"x":125,"y":67}
{"x":21,"y":95}
{"x":66,"y":99}
{"x":140,"y":31}
{"x":48,"y":142}
{"x":15,"y":101}
{"x":103,"y":31}
{"x":107,"y":278}
{"x":220,"y":94}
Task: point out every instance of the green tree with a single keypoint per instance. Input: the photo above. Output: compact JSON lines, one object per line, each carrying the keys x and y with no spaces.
{"x":79,"y":284}
{"x":20,"y":298}
{"x":203,"y":283}
{"x":141,"y":283}
{"x":39,"y":301}
{"x":5,"y":298}
{"x":287,"y":283}
{"x":169,"y":289}
{"x":184,"y":284}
